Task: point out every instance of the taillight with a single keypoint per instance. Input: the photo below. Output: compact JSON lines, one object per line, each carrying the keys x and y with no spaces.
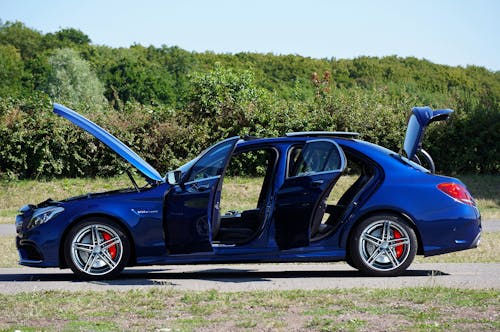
{"x":457,"y":192}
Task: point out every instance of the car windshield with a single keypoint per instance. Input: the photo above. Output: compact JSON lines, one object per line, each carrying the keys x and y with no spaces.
{"x":184,"y":168}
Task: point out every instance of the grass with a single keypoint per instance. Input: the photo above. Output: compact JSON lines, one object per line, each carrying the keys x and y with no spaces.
{"x":486,"y":190}
{"x":9,"y":256}
{"x":163,"y":309}
{"x":242,"y":193}
{"x":14,"y":194}
{"x":239,"y":193}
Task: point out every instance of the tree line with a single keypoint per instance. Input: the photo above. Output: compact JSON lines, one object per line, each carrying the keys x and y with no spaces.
{"x":168,"y":104}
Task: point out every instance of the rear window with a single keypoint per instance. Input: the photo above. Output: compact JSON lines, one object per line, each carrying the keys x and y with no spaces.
{"x":410,"y":163}
{"x":315,"y":157}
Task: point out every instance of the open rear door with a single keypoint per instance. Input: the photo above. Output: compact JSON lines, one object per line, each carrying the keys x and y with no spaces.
{"x":309,"y":181}
{"x":192,"y":207}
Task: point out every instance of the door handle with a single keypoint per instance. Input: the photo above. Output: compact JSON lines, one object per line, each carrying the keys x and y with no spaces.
{"x":317,"y":183}
{"x":203,"y":187}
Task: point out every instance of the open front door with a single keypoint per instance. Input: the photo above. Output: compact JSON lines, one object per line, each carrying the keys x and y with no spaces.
{"x":310,"y":179}
{"x":191,"y":207}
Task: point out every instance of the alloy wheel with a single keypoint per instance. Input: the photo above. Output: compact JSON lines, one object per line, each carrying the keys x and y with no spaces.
{"x":96,"y":249}
{"x":384,"y":245}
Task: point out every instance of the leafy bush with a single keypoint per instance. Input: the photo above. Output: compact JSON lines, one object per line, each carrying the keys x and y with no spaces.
{"x":470,"y":143}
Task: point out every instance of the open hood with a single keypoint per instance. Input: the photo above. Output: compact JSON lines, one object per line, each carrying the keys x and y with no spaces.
{"x":419,"y":119}
{"x":114,"y":143}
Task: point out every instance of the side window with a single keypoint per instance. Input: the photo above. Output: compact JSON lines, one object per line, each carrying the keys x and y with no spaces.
{"x":212,"y":163}
{"x":293,"y":159}
{"x":314,"y":157}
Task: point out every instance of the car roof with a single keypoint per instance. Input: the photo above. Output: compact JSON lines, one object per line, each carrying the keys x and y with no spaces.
{"x":296,"y":137}
{"x":371,"y":150}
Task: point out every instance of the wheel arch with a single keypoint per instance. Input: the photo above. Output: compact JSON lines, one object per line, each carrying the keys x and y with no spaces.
{"x":62,"y":260}
{"x":391,"y":212}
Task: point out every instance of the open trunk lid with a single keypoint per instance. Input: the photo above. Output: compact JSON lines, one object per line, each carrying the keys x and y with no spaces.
{"x":418,"y":121}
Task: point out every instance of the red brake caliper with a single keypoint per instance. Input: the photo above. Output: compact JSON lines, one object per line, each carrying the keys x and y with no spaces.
{"x":112,"y":249}
{"x":399,"y":249}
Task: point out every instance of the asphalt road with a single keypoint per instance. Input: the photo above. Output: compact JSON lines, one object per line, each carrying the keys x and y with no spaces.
{"x":7,"y":229}
{"x":246,"y":277}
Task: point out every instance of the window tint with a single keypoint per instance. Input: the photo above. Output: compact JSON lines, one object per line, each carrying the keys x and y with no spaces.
{"x":411,"y":163}
{"x":212,"y":163}
{"x":293,"y":159}
{"x":315,"y":157}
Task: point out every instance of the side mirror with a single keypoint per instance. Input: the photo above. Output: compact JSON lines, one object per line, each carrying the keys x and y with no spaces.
{"x":174,"y":177}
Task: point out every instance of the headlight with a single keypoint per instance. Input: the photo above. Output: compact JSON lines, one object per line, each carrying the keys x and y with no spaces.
{"x":41,"y":216}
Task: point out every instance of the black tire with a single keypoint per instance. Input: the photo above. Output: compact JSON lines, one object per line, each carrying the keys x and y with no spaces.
{"x":96,"y":248}
{"x":383,"y":246}
{"x":349,"y":261}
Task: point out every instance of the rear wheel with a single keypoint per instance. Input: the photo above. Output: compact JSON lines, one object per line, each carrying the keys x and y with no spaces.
{"x":349,"y":261}
{"x":96,"y":248}
{"x":383,"y":245}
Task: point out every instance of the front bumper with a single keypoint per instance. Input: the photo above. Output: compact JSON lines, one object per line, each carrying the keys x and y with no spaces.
{"x":37,"y":247}
{"x":29,"y":253}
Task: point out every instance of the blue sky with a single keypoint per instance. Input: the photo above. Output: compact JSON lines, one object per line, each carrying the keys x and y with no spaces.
{"x":442,"y":31}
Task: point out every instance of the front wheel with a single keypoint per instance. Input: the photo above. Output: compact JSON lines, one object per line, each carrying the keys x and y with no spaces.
{"x":383,"y":245}
{"x":96,"y":248}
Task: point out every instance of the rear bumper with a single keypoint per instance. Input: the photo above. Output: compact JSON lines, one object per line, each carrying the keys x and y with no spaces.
{"x":456,"y":235}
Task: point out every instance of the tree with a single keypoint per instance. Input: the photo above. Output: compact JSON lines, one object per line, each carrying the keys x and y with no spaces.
{"x":26,"y":40}
{"x":133,"y":75}
{"x":72,"y":81}
{"x":73,"y":35}
{"x":66,"y":38}
{"x":11,"y":71}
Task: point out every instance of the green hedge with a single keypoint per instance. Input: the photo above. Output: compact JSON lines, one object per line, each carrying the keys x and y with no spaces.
{"x":36,"y":143}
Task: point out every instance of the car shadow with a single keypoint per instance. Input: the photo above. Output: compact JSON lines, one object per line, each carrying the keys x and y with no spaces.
{"x":144,"y":277}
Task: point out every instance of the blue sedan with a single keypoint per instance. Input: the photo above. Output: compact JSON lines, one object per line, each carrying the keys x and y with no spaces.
{"x":393,"y":208}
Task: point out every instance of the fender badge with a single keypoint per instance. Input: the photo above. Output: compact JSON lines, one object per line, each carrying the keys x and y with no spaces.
{"x":141,"y":212}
